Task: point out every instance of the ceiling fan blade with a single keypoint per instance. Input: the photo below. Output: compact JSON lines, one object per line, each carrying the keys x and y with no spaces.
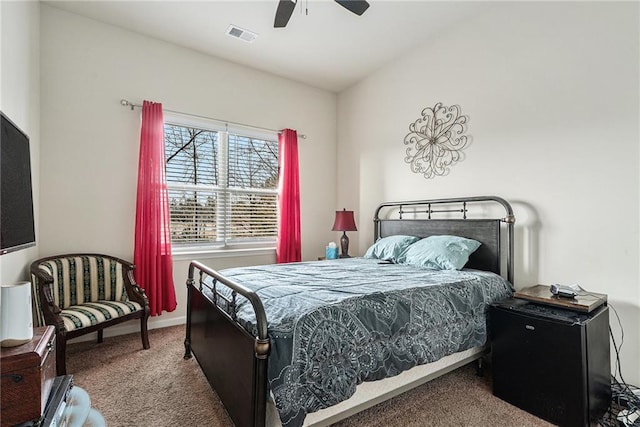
{"x":356,"y":6}
{"x":283,"y":13}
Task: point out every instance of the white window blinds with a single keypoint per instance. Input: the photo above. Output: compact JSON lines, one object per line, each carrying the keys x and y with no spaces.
{"x":222,"y":185}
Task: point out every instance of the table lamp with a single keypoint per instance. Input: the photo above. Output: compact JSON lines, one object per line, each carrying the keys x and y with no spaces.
{"x":344,"y":222}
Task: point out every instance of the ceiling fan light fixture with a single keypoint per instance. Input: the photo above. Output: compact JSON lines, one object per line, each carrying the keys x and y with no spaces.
{"x":285,"y":9}
{"x":241,"y":34}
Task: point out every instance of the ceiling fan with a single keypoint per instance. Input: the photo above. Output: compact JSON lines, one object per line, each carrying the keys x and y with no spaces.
{"x":285,"y":9}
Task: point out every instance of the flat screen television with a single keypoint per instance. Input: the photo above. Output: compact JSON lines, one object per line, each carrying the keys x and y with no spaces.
{"x":17,"y":229}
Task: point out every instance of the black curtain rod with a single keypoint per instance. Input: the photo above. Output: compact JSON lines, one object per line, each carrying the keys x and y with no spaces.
{"x":126,"y":103}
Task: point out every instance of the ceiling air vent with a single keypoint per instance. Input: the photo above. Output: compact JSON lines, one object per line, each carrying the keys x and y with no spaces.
{"x":239,"y":33}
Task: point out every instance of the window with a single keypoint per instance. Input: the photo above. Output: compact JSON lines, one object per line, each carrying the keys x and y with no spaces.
{"x":222,"y":185}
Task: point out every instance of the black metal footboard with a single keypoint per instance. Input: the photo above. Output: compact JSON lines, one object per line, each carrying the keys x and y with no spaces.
{"x":233,"y":360}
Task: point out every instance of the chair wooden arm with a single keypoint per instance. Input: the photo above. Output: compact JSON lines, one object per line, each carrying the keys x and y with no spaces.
{"x":50,"y":310}
{"x":134,"y":291}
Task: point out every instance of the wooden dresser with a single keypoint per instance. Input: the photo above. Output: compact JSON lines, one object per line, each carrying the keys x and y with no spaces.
{"x":28,"y":371}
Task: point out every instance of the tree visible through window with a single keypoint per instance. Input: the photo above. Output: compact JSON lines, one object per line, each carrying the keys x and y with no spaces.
{"x":222,"y":186}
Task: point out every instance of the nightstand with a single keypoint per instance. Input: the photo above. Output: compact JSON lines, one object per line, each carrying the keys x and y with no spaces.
{"x":551,"y":361}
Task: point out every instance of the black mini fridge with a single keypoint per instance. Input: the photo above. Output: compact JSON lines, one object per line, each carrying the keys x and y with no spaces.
{"x":551,"y":362}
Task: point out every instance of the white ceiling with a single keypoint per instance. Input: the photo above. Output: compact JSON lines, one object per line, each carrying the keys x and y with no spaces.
{"x":330,"y":47}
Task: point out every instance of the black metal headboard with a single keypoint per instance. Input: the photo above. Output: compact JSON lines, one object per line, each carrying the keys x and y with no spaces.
{"x":414,"y":218}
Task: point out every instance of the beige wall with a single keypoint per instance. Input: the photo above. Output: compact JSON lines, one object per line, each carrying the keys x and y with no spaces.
{"x":551,"y":90}
{"x":90,"y":142}
{"x":20,"y":101}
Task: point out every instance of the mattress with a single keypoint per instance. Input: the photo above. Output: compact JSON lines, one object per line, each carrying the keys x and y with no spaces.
{"x":336,"y":324}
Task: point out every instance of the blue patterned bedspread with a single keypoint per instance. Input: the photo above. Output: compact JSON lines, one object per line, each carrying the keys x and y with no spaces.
{"x":334,"y":324}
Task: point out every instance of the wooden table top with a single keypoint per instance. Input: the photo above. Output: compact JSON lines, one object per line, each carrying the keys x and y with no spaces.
{"x":585,"y":301}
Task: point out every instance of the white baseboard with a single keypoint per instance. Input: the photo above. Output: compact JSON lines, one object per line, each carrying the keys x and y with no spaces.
{"x":133,"y":327}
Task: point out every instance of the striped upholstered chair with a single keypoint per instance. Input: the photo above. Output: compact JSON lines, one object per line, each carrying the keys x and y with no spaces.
{"x":83,"y":293}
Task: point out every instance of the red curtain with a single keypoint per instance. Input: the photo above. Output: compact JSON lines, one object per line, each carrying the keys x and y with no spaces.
{"x":289,"y":246}
{"x":152,"y":250}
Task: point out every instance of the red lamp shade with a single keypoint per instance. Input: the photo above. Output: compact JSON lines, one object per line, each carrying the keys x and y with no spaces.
{"x":344,"y":221}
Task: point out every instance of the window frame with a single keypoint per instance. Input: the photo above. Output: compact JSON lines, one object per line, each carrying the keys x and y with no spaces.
{"x":228,"y":247}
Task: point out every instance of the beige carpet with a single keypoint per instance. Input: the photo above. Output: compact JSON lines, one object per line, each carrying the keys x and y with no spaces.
{"x":157,"y":387}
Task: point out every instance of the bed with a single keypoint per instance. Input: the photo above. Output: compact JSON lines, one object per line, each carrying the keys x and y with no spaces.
{"x":314,"y":342}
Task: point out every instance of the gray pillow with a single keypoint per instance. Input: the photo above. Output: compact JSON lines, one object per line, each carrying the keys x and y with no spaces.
{"x":440,"y":252}
{"x":390,"y":247}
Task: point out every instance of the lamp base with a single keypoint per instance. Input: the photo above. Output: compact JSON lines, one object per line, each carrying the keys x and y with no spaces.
{"x":344,"y":245}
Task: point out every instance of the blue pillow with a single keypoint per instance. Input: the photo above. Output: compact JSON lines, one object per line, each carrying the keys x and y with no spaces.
{"x":440,"y":252}
{"x":390,"y":247}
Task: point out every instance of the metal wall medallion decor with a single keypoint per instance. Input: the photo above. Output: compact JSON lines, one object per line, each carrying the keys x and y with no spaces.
{"x":436,"y":140}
